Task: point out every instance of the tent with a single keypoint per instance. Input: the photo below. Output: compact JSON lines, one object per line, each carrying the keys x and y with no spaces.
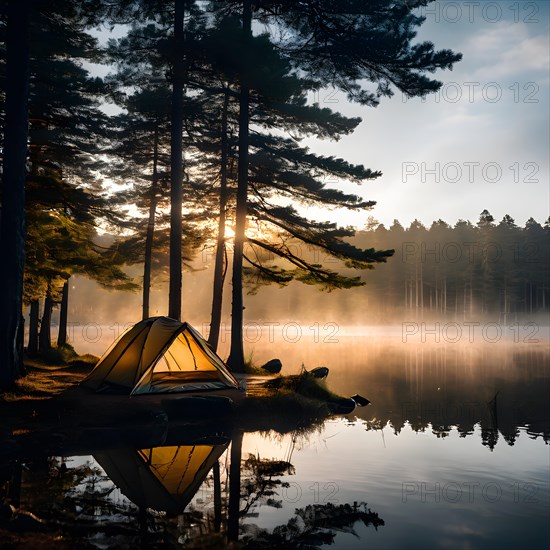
{"x":161,"y":478}
{"x":159,"y":355}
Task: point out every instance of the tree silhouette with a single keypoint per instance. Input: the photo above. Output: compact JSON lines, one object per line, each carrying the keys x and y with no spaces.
{"x":12,"y":224}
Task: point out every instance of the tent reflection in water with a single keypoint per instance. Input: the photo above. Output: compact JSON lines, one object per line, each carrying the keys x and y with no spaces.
{"x":162,"y":478}
{"x":160,"y":355}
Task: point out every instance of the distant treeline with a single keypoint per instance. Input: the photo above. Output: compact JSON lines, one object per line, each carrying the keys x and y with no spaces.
{"x":490,"y":269}
{"x":466,"y":270}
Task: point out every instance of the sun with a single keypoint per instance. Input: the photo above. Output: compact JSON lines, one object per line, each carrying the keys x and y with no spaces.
{"x":229,"y":231}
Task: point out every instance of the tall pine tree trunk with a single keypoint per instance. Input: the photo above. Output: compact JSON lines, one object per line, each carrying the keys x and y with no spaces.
{"x":219,"y":266}
{"x":12,"y":224}
{"x":236,"y":356}
{"x":150,"y":231}
{"x":63,"y":314}
{"x":234,"y":487}
{"x":33,"y":327}
{"x":44,"y":338}
{"x":176,"y":166}
{"x":10,"y":481}
{"x":217,"y":497}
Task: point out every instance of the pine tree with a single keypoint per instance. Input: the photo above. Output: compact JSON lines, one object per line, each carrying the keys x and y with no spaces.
{"x":334,"y":44}
{"x":141,"y":160}
{"x":164,"y":31}
{"x":60,"y":246}
{"x":12,"y":225}
{"x":66,"y":134}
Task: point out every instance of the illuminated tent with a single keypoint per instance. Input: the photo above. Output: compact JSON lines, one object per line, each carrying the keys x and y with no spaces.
{"x":159,"y":355}
{"x":161,"y":478}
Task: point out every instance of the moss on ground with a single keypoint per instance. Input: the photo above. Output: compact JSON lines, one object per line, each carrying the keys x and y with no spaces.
{"x":50,"y":374}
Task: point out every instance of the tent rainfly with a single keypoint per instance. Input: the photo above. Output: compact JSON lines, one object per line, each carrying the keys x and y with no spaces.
{"x":159,"y":355}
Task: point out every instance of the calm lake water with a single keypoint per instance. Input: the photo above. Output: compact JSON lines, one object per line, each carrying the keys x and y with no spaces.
{"x":452,"y":453}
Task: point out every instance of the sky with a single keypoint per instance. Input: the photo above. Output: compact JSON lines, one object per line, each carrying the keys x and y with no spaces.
{"x":482,"y":142}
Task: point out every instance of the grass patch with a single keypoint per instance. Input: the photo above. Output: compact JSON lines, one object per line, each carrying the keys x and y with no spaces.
{"x":303,"y":384}
{"x":58,"y":355}
{"x":250,"y":366}
{"x":86,"y":361}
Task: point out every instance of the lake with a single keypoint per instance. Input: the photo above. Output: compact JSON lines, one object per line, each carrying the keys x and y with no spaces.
{"x":452,"y":453}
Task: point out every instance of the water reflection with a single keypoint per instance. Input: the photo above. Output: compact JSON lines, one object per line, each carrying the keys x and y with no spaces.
{"x":161,"y":478}
{"x":436,"y":387}
{"x":314,"y":526}
{"x":195,"y":494}
{"x":307,"y":488}
{"x":418,"y":456}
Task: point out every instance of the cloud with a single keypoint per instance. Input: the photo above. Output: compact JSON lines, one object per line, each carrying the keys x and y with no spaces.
{"x":506,"y":49}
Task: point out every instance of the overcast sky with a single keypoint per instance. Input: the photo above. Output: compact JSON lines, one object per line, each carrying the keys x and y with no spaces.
{"x":482,"y":142}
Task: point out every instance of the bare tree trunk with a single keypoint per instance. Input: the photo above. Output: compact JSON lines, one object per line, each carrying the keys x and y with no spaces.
{"x":416,"y":289}
{"x":471,"y":298}
{"x":176,"y":166}
{"x":150,"y":231}
{"x":44,"y":338}
{"x":421,"y":291}
{"x":236,"y":356}
{"x":33,"y":327}
{"x":219,"y":267}
{"x":12,"y":223}
{"x":63,"y":313}
{"x":505,"y":305}
{"x":445,"y":297}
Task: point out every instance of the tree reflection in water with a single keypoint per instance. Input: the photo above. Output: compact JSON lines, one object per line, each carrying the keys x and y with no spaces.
{"x":314,"y":526}
{"x":310,"y":527}
{"x":260,"y":482}
{"x":172,"y":496}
